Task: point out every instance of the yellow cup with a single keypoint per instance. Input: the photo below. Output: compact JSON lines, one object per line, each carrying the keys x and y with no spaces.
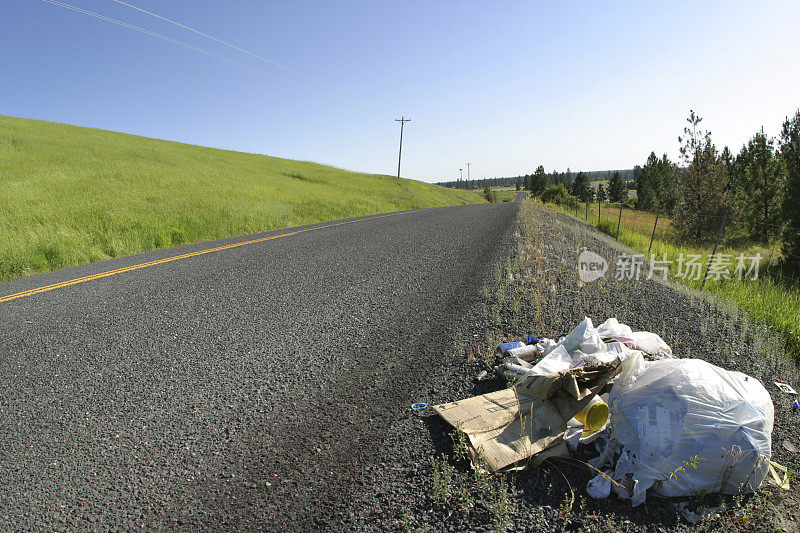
{"x":594,"y":416}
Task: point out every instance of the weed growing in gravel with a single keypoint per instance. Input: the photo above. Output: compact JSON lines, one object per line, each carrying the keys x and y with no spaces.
{"x":442,"y":480}
{"x":406,"y":520}
{"x":460,"y":449}
{"x":458,"y":345}
{"x":681,"y":468}
{"x":501,"y":505}
{"x":466,"y":500}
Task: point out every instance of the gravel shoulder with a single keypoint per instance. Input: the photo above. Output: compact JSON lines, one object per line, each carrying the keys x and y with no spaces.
{"x":535,"y":290}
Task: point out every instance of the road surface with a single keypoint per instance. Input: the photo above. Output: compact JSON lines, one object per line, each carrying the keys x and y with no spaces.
{"x":235,"y":384}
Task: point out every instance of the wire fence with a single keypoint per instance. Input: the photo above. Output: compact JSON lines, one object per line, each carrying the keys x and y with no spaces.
{"x":723,"y":258}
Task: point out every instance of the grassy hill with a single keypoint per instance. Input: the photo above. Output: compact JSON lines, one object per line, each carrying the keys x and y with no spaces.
{"x":72,"y":195}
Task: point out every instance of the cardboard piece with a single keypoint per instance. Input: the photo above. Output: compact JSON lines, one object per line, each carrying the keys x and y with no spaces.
{"x":512,"y":428}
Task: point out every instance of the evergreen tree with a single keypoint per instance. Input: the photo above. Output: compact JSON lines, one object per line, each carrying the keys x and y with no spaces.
{"x":617,"y":189}
{"x":601,"y":193}
{"x":581,"y":188}
{"x":702,"y":185}
{"x":656,"y":184}
{"x":790,"y":158}
{"x":758,"y":181}
{"x":519,"y":184}
{"x":538,"y":181}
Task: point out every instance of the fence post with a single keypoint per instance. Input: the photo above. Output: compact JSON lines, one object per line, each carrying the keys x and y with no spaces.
{"x":658,"y":210}
{"x":587,"y":212}
{"x":619,"y":221}
{"x":598,"y":210}
{"x":710,"y":259}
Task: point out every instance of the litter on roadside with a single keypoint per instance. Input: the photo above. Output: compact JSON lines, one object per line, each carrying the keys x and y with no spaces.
{"x":506,"y":427}
{"x":677,"y":427}
{"x":779,"y":475}
{"x":685,"y":426}
{"x":785,"y":387}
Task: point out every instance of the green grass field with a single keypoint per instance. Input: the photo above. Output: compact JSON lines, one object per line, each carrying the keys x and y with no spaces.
{"x":770,"y":299}
{"x":72,"y":195}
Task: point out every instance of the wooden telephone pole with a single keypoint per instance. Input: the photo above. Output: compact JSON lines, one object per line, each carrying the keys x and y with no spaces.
{"x":402,"y":121}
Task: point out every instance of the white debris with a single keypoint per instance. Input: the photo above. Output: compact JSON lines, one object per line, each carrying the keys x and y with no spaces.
{"x":684,"y":426}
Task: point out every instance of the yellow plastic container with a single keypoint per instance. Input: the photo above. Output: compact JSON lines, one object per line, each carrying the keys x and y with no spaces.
{"x":594,"y":416}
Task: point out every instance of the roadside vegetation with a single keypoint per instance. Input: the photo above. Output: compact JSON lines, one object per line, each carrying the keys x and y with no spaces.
{"x":71,"y":195}
{"x":751,"y":201}
{"x":771,"y":299}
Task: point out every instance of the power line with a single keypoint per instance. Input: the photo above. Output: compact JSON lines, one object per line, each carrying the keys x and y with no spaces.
{"x":355,"y":99}
{"x":153,"y":34}
{"x":231,"y":45}
{"x":192,"y":47}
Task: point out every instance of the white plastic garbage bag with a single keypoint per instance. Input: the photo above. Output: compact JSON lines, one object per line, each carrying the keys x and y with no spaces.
{"x":584,"y":338}
{"x":684,"y":426}
{"x":651,"y":343}
{"x":554,"y":362}
{"x":599,"y":487}
{"x":612,"y":329}
{"x":644,"y":341}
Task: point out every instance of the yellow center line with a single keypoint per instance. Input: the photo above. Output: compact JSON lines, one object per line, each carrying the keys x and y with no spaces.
{"x":114,"y":272}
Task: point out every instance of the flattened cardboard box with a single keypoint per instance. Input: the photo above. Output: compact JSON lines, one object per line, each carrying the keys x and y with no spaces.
{"x":508,"y":426}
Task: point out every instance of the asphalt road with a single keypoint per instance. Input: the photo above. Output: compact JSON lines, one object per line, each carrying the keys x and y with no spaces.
{"x":240,"y":388}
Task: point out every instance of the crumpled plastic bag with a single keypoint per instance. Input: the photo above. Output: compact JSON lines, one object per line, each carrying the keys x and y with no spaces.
{"x":644,"y":341}
{"x":584,"y":338}
{"x":684,"y":426}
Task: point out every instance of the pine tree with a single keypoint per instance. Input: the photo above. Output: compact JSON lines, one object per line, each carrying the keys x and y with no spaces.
{"x":790,"y":158}
{"x":581,"y":188}
{"x":757,"y":179}
{"x":656,"y":184}
{"x":538,"y":181}
{"x":617,"y":189}
{"x":601,"y":193}
{"x":702,"y":185}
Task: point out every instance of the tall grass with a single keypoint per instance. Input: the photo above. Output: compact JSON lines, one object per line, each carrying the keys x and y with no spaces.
{"x":72,"y":195}
{"x":768,"y":299}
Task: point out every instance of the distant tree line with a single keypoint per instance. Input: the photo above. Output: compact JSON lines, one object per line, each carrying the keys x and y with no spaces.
{"x":757,"y":191}
{"x":523,"y":181}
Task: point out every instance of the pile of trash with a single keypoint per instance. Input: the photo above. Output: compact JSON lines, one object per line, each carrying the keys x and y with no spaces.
{"x":678,"y":427}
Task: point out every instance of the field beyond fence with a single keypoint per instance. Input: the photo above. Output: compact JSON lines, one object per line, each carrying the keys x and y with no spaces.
{"x":744,"y":273}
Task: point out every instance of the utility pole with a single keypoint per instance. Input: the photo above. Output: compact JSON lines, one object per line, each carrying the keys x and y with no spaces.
{"x":402,"y":120}
{"x":468,"y":165}
{"x":461,"y":174}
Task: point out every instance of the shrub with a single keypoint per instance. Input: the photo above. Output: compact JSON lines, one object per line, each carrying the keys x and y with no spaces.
{"x":556,"y":194}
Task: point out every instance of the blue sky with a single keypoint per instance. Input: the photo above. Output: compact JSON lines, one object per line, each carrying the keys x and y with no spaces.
{"x":504,"y":85}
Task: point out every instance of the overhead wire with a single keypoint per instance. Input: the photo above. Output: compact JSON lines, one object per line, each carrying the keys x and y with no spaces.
{"x":153,"y":34}
{"x":219,"y":57}
{"x":355,"y":99}
{"x":231,"y":45}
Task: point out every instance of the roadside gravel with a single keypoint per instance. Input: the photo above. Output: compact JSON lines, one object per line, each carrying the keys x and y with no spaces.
{"x":536,"y":290}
